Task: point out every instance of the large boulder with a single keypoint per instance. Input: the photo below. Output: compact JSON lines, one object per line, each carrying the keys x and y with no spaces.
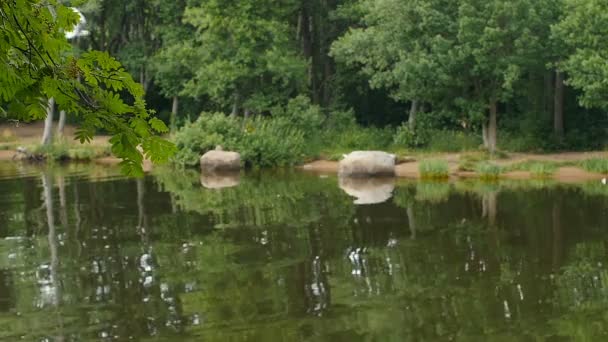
{"x":367,"y":164}
{"x":218,"y":160}
{"x":368,"y":190}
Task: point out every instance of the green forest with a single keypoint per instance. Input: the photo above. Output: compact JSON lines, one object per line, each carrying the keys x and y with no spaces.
{"x":286,"y":81}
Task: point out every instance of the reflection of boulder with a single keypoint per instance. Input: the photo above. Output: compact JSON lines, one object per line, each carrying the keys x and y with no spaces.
{"x":220,"y":180}
{"x":368,"y":190}
{"x":218,"y":160}
{"x":367,"y":164}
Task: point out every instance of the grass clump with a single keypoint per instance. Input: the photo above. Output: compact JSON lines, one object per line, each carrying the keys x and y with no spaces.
{"x":543,"y":170}
{"x":433,"y":169}
{"x":470,"y":161}
{"x":488,"y":171}
{"x":596,"y":165}
{"x":63,"y":151}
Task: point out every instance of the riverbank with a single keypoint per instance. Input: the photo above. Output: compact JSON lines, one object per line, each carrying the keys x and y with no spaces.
{"x":566,"y":165}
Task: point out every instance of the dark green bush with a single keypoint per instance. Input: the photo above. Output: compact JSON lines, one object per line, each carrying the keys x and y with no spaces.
{"x":271,"y":142}
{"x":202,"y":135}
{"x":411,"y":138}
{"x":284,"y":138}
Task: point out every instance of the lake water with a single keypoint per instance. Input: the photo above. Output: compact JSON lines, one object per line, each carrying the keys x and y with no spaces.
{"x":87,"y":255}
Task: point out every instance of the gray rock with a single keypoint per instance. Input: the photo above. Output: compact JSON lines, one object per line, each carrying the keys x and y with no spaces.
{"x":368,"y":190}
{"x":220,"y":161}
{"x":367,"y":164}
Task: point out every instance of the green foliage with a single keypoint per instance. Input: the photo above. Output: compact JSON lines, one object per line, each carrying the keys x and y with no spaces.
{"x":488,"y":171}
{"x":582,"y":33}
{"x":204,"y":134}
{"x":285,"y":138}
{"x":35,"y":64}
{"x":452,"y":141}
{"x":411,"y":138}
{"x":433,"y":192}
{"x":433,"y":169}
{"x":302,"y":114}
{"x":63,"y":151}
{"x":596,"y":165}
{"x":360,"y":138}
{"x":268,"y":143}
{"x":542,"y":170}
{"x":243,"y":56}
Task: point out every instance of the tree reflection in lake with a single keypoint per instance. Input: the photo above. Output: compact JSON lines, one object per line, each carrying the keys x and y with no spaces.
{"x":288,"y":257}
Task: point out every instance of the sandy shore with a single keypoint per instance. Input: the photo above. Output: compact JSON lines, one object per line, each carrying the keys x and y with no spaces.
{"x":567,"y":174}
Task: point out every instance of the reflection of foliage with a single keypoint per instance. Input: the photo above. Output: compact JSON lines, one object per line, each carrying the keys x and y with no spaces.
{"x":404,"y":196}
{"x":478,"y":187}
{"x":307,"y":264}
{"x":283,"y":198}
{"x":582,"y":294}
{"x":433,"y":192}
{"x":595,"y":189}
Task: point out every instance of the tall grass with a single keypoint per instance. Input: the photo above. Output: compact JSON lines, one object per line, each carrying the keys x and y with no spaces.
{"x":62,"y":150}
{"x":433,"y":169}
{"x":596,"y":165}
{"x":543,"y":170}
{"x":488,"y":171}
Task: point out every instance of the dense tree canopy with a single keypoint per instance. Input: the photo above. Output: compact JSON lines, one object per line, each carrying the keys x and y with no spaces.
{"x":535,"y":70}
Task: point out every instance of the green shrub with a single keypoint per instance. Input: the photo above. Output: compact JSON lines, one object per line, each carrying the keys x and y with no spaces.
{"x":359,"y":138}
{"x":470,"y":161}
{"x":204,"y":134}
{"x":301,"y":114}
{"x":596,"y":165}
{"x":271,"y":142}
{"x":341,"y":120}
{"x":85,"y":152}
{"x":411,"y":138}
{"x":453,"y":141}
{"x":57,"y":151}
{"x":433,"y":169}
{"x":488,"y":171}
{"x":62,"y":150}
{"x":283,"y":139}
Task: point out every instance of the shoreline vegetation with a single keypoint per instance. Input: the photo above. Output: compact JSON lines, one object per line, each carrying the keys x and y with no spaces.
{"x":561,"y":166}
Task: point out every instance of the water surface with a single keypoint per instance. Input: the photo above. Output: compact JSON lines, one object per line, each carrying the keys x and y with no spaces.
{"x":87,"y":255}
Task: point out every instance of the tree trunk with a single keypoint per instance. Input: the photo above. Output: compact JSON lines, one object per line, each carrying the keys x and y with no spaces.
{"x":413,"y":111}
{"x":174,"y":109}
{"x":47,"y":135}
{"x":235,"y":105}
{"x":484,"y":134}
{"x":247,"y":113}
{"x":558,"y":113}
{"x":492,"y":127}
{"x":61,"y":124}
{"x":549,"y":94}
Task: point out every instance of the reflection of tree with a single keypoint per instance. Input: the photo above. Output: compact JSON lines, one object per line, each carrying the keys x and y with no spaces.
{"x":294,"y":259}
{"x":489,"y":209}
{"x":581,"y":294}
{"x":283,"y":198}
{"x":51,"y":287}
